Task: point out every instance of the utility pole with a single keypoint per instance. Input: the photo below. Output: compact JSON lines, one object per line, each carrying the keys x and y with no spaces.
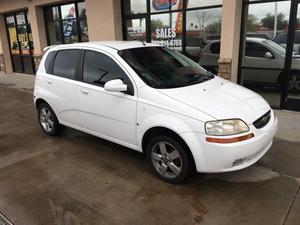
{"x":275,"y":20}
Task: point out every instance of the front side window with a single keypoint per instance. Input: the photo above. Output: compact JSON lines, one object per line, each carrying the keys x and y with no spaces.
{"x":255,"y":50}
{"x":65,"y":63}
{"x":99,"y":68}
{"x":164,"y":68}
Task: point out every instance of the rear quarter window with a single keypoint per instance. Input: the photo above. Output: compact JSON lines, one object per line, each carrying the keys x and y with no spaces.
{"x":49,"y":62}
{"x":65,"y":63}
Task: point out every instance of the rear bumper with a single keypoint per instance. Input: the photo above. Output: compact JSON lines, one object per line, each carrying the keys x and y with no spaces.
{"x":214,"y":157}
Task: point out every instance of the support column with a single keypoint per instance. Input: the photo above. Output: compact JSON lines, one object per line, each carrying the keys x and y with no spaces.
{"x":36,"y":17}
{"x":104,"y":19}
{"x":230,"y":39}
{"x":5,"y":59}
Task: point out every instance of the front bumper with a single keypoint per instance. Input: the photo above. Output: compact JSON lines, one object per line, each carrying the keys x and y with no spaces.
{"x":214,"y":157}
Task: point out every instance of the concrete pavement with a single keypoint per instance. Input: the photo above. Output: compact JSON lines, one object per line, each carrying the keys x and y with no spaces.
{"x":80,"y":179}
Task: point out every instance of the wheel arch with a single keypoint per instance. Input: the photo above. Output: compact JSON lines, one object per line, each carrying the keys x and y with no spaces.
{"x":39,"y":101}
{"x":161,"y":130}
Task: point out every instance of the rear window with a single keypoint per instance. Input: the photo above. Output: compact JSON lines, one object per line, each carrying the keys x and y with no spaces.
{"x":65,"y":63}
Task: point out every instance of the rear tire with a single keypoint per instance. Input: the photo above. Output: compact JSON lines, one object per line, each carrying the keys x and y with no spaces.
{"x":48,"y":120}
{"x":169,"y":159}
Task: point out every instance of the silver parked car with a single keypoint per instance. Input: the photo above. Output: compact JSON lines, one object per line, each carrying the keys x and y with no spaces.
{"x":263,"y":62}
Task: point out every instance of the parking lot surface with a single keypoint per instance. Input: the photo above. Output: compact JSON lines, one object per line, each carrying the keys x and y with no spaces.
{"x":80,"y":179}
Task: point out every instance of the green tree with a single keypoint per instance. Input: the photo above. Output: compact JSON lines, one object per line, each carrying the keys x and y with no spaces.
{"x":268,"y":21}
{"x":252,"y":23}
{"x":156,"y":24}
{"x":214,"y":28}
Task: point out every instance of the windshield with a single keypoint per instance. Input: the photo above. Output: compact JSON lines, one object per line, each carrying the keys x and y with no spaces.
{"x":277,"y":47}
{"x":161,"y":67}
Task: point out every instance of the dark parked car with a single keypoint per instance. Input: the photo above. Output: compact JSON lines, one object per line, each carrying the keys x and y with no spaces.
{"x":281,"y":39}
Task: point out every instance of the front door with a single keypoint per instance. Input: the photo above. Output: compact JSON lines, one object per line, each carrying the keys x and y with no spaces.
{"x":111,"y":115}
{"x":20,"y":42}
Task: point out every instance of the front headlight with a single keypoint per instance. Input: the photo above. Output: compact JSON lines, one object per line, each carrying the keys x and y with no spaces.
{"x":226,"y":127}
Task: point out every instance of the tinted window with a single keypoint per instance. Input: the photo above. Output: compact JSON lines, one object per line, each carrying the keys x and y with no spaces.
{"x":281,"y":38}
{"x":297,"y":37}
{"x":49,"y":62}
{"x":215,"y":48}
{"x":255,"y":50}
{"x":99,"y":68}
{"x":65,"y":63}
{"x":164,"y":68}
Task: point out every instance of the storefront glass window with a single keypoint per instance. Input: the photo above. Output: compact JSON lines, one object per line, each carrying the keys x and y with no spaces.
{"x":81,"y":10}
{"x":136,"y":29}
{"x":66,"y":23}
{"x":20,"y":42}
{"x":203,"y":3}
{"x":202,"y":26}
{"x":52,"y":14}
{"x":263,"y":59}
{"x":166,"y":5}
{"x":68,"y":11}
{"x":166,"y":29}
{"x":20,"y":18}
{"x":135,"y":6}
{"x":186,"y":28}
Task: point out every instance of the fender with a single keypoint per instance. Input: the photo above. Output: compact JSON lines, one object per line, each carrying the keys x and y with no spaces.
{"x":170,"y":122}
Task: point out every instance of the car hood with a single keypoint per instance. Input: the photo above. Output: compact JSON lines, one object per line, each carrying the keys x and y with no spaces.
{"x":221,"y":99}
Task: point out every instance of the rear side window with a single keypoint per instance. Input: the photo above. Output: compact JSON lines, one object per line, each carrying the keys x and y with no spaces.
{"x":215,"y":48}
{"x":65,"y":63}
{"x":99,"y":68}
{"x":49,"y":62}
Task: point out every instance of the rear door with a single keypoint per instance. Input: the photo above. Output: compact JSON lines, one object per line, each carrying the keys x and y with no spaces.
{"x":60,"y":85}
{"x":111,"y":115}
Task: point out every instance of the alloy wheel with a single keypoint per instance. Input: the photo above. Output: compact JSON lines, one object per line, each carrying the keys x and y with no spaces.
{"x":166,"y":160}
{"x":294,"y":83}
{"x":46,"y":119}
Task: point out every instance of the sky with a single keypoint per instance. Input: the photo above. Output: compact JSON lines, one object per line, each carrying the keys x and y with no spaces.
{"x":262,"y":9}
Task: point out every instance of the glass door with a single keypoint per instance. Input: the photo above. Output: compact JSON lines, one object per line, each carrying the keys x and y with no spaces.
{"x":291,"y":97}
{"x":20,"y":42}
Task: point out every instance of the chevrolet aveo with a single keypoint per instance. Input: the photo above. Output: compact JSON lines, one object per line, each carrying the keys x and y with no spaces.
{"x":156,"y":101}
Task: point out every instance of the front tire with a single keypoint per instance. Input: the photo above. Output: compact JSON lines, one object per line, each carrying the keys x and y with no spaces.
{"x":48,"y":120}
{"x":168,"y":159}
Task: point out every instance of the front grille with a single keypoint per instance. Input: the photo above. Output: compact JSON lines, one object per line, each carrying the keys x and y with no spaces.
{"x":263,"y":120}
{"x":4,"y":220}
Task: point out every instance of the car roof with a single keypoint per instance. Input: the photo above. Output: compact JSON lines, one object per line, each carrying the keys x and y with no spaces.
{"x":117,"y":45}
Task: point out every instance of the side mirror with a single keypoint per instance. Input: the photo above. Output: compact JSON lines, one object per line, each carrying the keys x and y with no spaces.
{"x":116,"y":85}
{"x":269,"y":55}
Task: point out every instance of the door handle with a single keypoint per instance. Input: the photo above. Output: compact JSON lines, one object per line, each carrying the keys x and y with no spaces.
{"x":49,"y":81}
{"x":84,"y":91}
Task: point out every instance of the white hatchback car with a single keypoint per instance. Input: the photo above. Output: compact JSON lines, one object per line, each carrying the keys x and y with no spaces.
{"x":156,"y":101}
